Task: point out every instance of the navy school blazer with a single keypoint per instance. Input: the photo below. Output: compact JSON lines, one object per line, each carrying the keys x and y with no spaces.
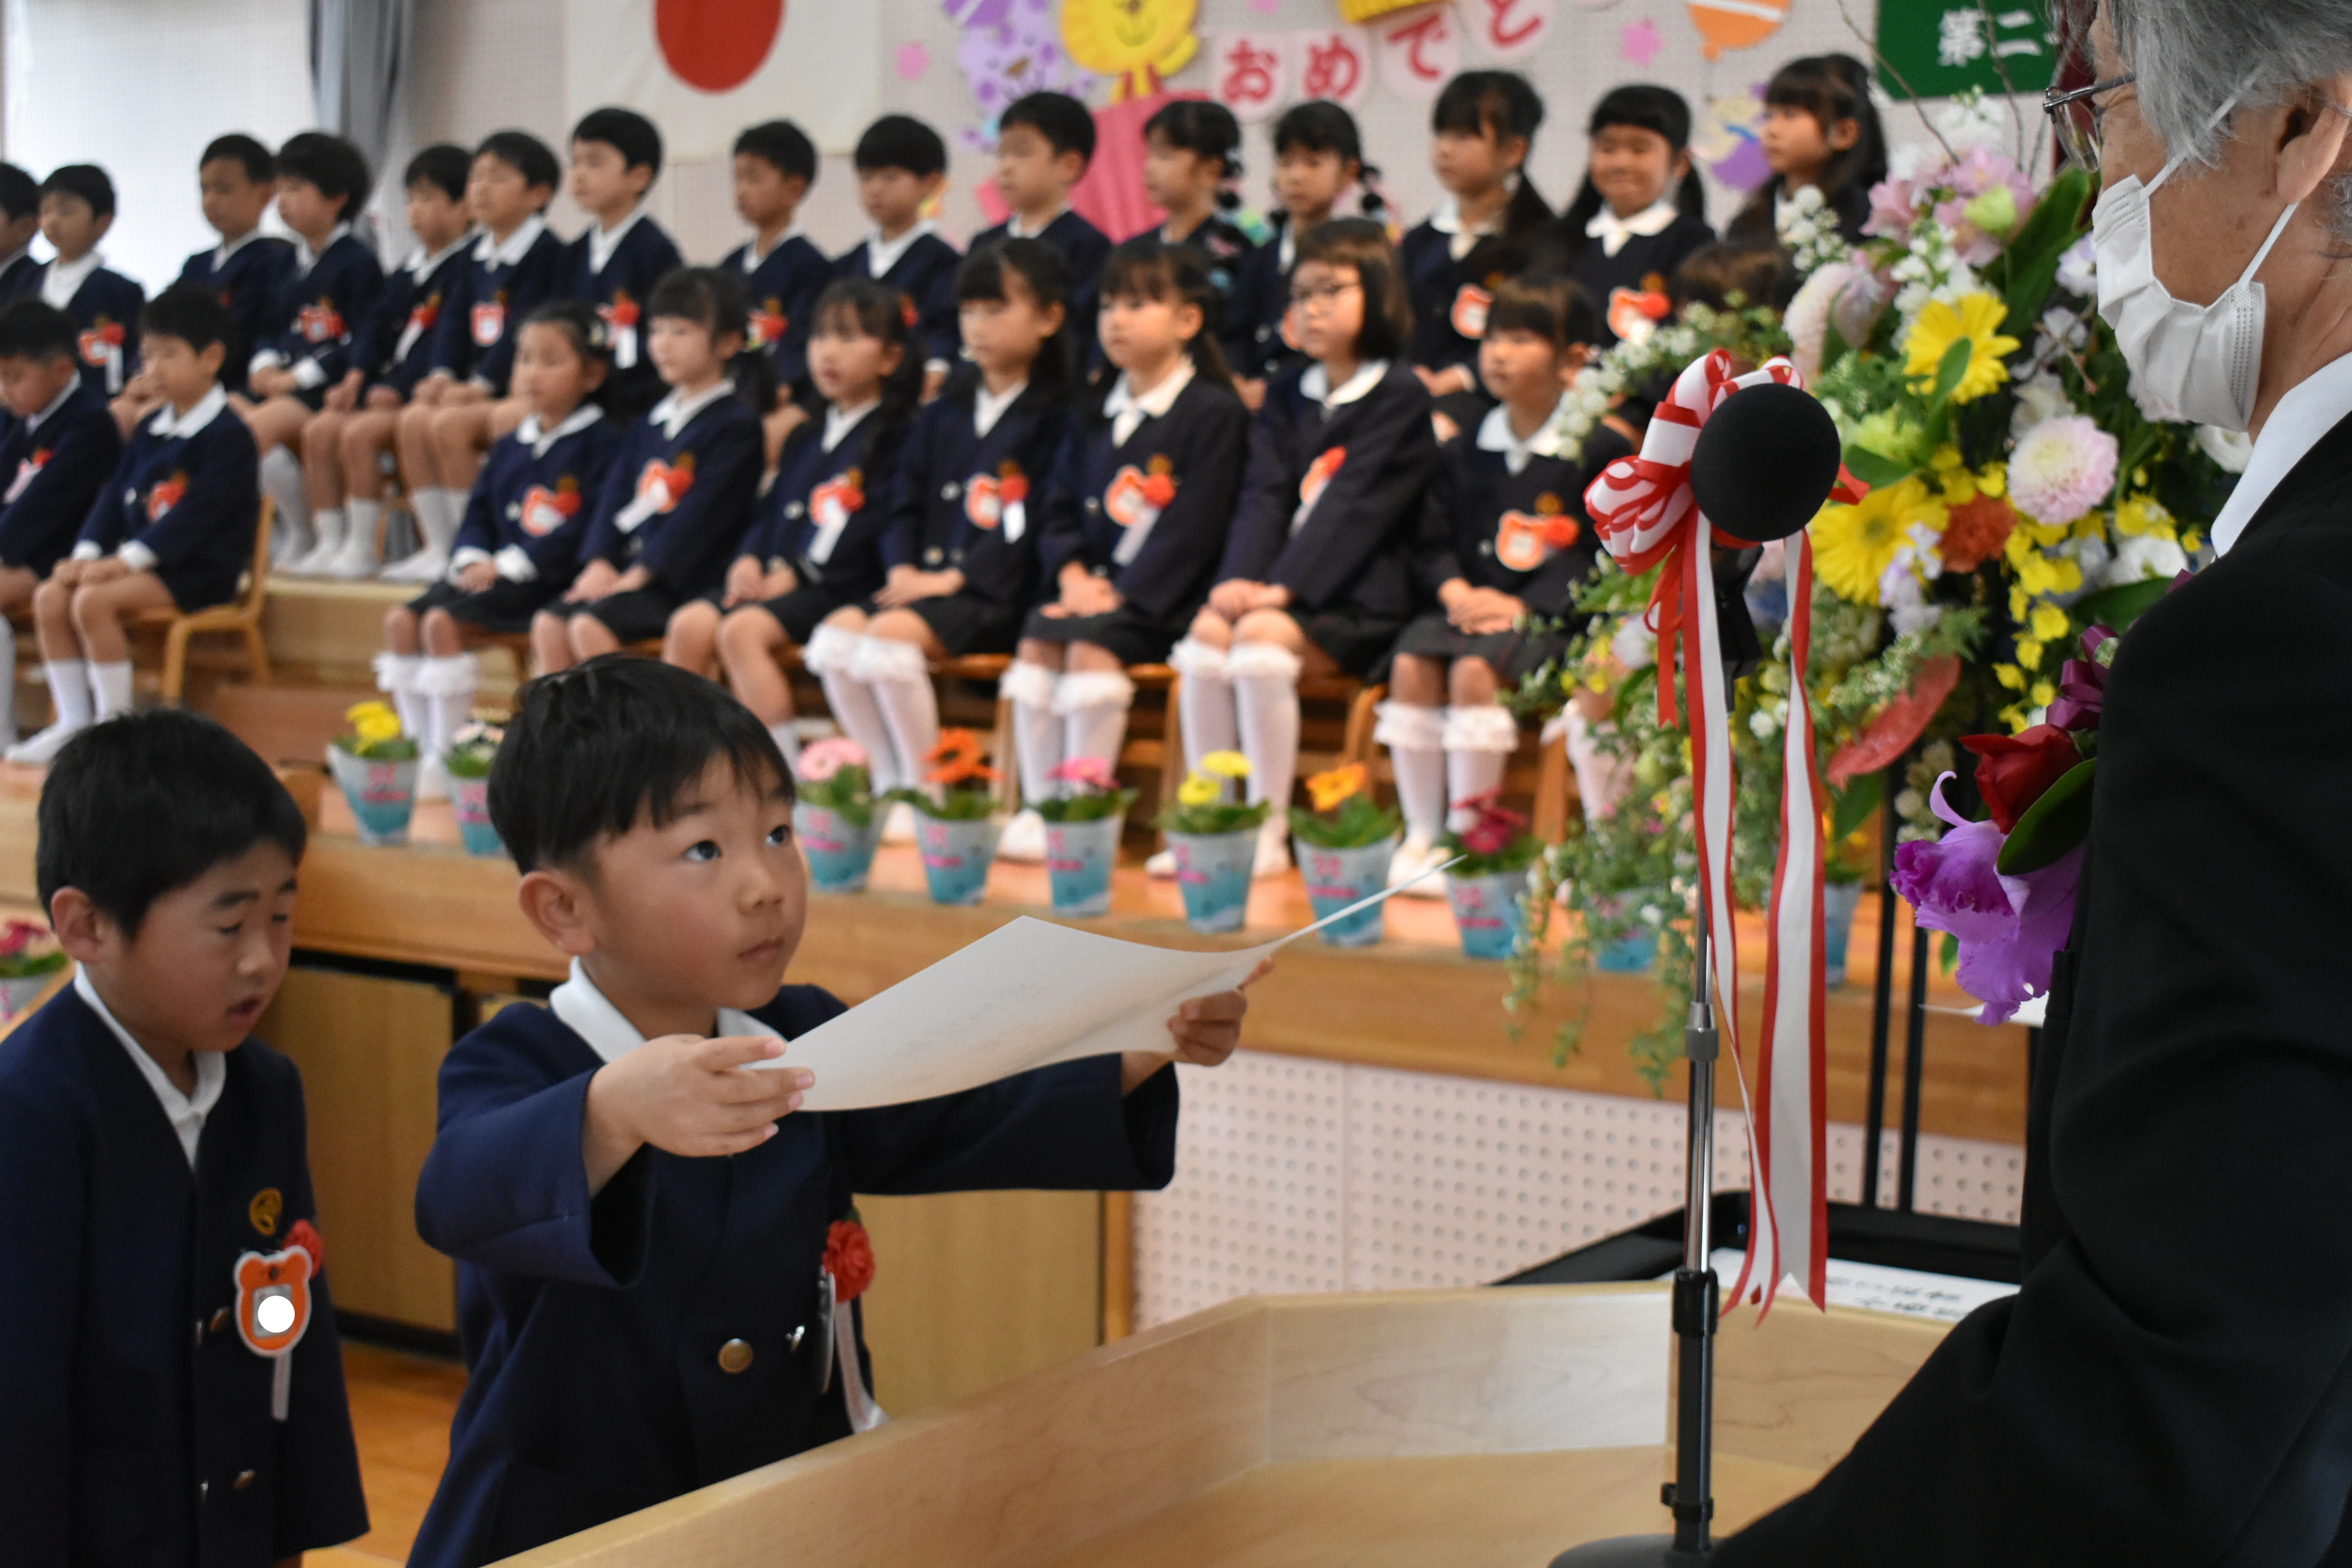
{"x":1361,"y":467}
{"x":1097,"y":502}
{"x":318,"y":308}
{"x":836,"y":503}
{"x":676,"y":501}
{"x":20,"y":276}
{"x":784,"y":285}
{"x":619,"y":291}
{"x":1449,"y":297}
{"x":54,"y":470}
{"x":1084,"y":246}
{"x":529,"y":509}
{"x":925,"y":273}
{"x":134,"y":1424}
{"x":186,"y":495}
{"x":592,"y":1327}
{"x":500,"y":286}
{"x":953,"y":507}
{"x":248,"y":282}
{"x":1224,"y":247}
{"x":393,"y":346}
{"x":106,"y":309}
{"x":1525,"y":534}
{"x":1253,"y":339}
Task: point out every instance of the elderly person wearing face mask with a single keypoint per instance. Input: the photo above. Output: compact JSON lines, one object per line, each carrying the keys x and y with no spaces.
{"x":2173,"y":1385}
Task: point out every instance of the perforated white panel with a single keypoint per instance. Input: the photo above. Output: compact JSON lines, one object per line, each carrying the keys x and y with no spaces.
{"x":1295,"y":1174}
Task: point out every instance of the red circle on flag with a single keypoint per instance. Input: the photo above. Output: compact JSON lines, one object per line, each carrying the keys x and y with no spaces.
{"x":715,"y":44}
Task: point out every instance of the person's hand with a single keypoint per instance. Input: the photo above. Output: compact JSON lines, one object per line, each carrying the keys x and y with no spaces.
{"x":1251,"y":390}
{"x":784,"y":580}
{"x":1484,"y":610}
{"x":464,"y":394}
{"x":934,"y":378}
{"x":69,"y":573}
{"x":475,"y":576}
{"x":271,"y":381}
{"x":1444,"y":429}
{"x":344,"y":395}
{"x":745,"y":578}
{"x":1089,"y":596}
{"x":107,"y":569}
{"x":1205,"y":1031}
{"x":1270,"y":596}
{"x":432,"y":389}
{"x":686,"y":1095}
{"x":1444,"y":382}
{"x":906,"y":586}
{"x":596,"y":581}
{"x":1234,"y":598}
{"x":629,"y":581}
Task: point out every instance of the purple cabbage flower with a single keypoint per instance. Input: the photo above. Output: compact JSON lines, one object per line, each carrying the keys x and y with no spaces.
{"x":2009,"y":928}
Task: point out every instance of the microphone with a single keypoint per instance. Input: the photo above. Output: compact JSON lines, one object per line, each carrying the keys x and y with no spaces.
{"x":1765,"y":462}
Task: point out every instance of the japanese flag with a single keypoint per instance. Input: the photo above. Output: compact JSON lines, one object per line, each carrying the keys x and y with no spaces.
{"x":703,"y":70}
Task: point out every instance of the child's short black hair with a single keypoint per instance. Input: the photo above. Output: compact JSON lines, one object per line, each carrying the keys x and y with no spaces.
{"x":524,"y":153}
{"x":1321,"y":126}
{"x":190,"y":312}
{"x":1148,"y":268}
{"x":627,"y":133}
{"x":781,"y":144}
{"x":143,"y":804}
{"x":242,"y":150}
{"x":1499,"y":104}
{"x":1045,"y":272}
{"x":593,"y":750}
{"x":717,"y":299}
{"x":901,"y":142}
{"x":85,"y":181}
{"x":31,"y":328}
{"x":1061,"y":120}
{"x":861,"y":306}
{"x":1831,"y":87}
{"x":1363,"y":244}
{"x":20,"y":194}
{"x":329,"y":163}
{"x":1556,"y":309}
{"x":1735,"y":274}
{"x":1205,"y":129}
{"x":444,"y":166}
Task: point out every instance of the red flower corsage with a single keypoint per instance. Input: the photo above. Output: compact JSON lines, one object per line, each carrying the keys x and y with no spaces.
{"x":849,"y":1258}
{"x":1013,"y":485}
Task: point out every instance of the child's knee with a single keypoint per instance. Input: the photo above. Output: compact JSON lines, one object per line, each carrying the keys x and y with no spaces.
{"x":400,"y":625}
{"x":1037,"y":651}
{"x":1266,"y":626}
{"x":1212,"y":628}
{"x":747,"y":632}
{"x":1472,"y":681}
{"x":848,"y":618}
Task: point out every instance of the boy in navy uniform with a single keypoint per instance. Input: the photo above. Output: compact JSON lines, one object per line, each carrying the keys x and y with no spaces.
{"x":238,"y":179}
{"x":1045,"y":142}
{"x":616,"y":156}
{"x":59,"y":445}
{"x":902,"y":166}
{"x":76,"y":209}
{"x":172,"y":528}
{"x":176,"y":1392}
{"x":639,"y":1222}
{"x":20,"y":220}
{"x":775,"y":165}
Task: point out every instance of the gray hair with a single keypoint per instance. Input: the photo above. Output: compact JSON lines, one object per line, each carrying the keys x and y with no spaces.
{"x":2194,"y":56}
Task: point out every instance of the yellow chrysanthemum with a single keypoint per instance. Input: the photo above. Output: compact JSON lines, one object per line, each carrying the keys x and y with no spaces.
{"x":1198,"y":790}
{"x":1226,"y":764}
{"x":373,"y":722}
{"x":1852,"y":545}
{"x":1977,"y":318}
{"x":2049,"y":623}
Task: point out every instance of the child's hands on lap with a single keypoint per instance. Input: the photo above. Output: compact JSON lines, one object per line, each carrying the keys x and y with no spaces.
{"x":745,"y":579}
{"x":596,"y":581}
{"x":1206,"y":1030}
{"x":107,"y":569}
{"x":908,"y":584}
{"x":1234,"y":598}
{"x":383,"y":399}
{"x":629,"y":581}
{"x":477,"y":577}
{"x":688,"y":1096}
{"x":344,"y":395}
{"x":69,"y":573}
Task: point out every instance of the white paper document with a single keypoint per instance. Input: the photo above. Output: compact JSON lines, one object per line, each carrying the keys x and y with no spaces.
{"x":1028,"y":994}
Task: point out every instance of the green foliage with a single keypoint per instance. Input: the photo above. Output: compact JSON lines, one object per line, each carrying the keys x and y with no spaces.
{"x":1356,"y":823}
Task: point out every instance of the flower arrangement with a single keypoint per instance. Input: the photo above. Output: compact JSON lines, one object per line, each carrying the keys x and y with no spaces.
{"x":1497,"y":840}
{"x":1344,"y":816}
{"x":966,"y":791}
{"x":472,"y":750}
{"x":1201,"y":804}
{"x":833,"y":774}
{"x":26,"y":950}
{"x":375,"y":734}
{"x":1091,"y":792}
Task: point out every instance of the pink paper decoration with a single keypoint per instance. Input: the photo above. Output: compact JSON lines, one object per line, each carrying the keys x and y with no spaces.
{"x":913,"y":61}
{"x":1111,"y":196}
{"x":1420,"y":51}
{"x":1336,"y":64}
{"x":1640,"y":42}
{"x":1509,"y":29}
{"x":1251,"y":73}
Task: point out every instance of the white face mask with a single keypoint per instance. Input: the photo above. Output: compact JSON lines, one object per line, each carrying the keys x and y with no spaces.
{"x":2203,"y":360}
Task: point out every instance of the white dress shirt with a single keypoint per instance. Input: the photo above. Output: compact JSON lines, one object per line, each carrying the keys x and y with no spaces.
{"x":185,"y":1112}
{"x":2313,"y":407}
{"x":64,"y":278}
{"x":1128,"y":410}
{"x":590,"y":1015}
{"x":988,"y":408}
{"x":1613,"y":231}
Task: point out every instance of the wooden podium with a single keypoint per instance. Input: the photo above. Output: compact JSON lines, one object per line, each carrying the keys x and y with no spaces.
{"x":1440,"y":1429}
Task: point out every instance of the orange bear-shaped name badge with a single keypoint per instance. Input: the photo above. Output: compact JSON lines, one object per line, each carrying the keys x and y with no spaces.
{"x":1524,"y":540}
{"x":545,"y":510}
{"x":1468,"y":316}
{"x":273,"y":1305}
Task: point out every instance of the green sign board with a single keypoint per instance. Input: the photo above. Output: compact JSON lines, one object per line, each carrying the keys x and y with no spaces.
{"x":1939,"y":49}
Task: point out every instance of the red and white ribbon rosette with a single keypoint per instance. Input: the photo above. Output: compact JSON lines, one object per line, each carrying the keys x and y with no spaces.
{"x":1647,"y":516}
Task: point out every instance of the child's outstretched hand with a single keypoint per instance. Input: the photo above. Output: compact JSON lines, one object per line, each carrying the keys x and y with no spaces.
{"x":1206,"y":1030}
{"x":689,"y":1096}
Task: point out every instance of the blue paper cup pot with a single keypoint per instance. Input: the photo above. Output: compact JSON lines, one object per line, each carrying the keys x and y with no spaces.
{"x":1213,"y":871}
{"x":956,"y":855}
{"x":839,"y":852}
{"x":383,"y":794}
{"x":1337,"y":878}
{"x":1078,"y":860}
{"x":470,"y":800}
{"x":1488,"y":913}
{"x":1631,"y":954}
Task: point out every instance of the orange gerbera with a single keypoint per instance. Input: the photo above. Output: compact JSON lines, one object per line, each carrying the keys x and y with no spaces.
{"x":956,"y":760}
{"x":1330,"y":789}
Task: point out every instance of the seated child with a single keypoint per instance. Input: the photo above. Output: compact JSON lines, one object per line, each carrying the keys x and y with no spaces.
{"x":1136,"y":515}
{"x":519,"y":543}
{"x":1641,"y":211}
{"x":166,"y":861}
{"x":171,"y":528}
{"x":1317,"y":154}
{"x":815,"y":540}
{"x":1482,"y":128}
{"x":1504,"y":537}
{"x":1318,"y":577}
{"x":616,"y":156}
{"x":1044,"y":142}
{"x":1191,"y":168}
{"x":775,"y":165}
{"x":640,"y":1225}
{"x":334,"y":285}
{"x":343,"y":446}
{"x":962,"y":555}
{"x":682,"y":484}
{"x":515,"y":267}
{"x":59,"y":445}
{"x":20,"y":220}
{"x":76,"y":209}
{"x":238,"y":178}
{"x":902,"y":169}
{"x":1820,"y":130}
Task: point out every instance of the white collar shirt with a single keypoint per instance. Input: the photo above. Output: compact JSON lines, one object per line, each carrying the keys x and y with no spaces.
{"x":1317,"y":383}
{"x":1613,"y":231}
{"x":881,"y":254}
{"x":1460,"y":241}
{"x":64,"y":278}
{"x":2311,"y":408}
{"x":421,"y":265}
{"x":540,"y":441}
{"x":55,"y":404}
{"x":602,"y":242}
{"x":1128,"y":410}
{"x":1496,"y":435}
{"x":306,"y":258}
{"x":753,"y":256}
{"x":228,"y":248}
{"x":516,"y":244}
{"x":208,"y":409}
{"x":840,"y":422}
{"x":988,"y":408}
{"x":590,"y":1013}
{"x":185,"y":1112}
{"x":1016,"y":229}
{"x":673,"y":413}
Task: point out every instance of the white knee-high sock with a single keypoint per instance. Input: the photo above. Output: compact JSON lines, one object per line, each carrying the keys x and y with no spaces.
{"x":830,"y":653}
{"x":787,"y":736}
{"x":281,"y":481}
{"x":1415,"y":738}
{"x":110,"y":685}
{"x":1479,"y":742}
{"x":69,"y":691}
{"x":448,"y":687}
{"x":438,"y":512}
{"x":1036,"y":727}
{"x":7,"y":682}
{"x":900,"y":679}
{"x":1204,"y":701}
{"x":1265,"y":699}
{"x":1093,"y":704}
{"x":396,"y":676}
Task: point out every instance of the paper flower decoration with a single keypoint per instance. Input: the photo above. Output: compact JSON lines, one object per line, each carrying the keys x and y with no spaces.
{"x":1008,"y":49}
{"x":1138,"y":41}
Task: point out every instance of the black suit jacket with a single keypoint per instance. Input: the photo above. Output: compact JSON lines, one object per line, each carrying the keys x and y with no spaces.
{"x":2173,"y":1385}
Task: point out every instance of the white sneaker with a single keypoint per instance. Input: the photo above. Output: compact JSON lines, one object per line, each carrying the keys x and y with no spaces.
{"x":310,"y":564}
{"x":290,"y":546}
{"x":44,"y":747}
{"x":353,"y":562}
{"x":898,"y":823}
{"x":1273,"y":848}
{"x":1161,"y":867}
{"x":1023,"y":838}
{"x":432,"y":779}
{"x":1410,"y":860}
{"x":424,"y":567}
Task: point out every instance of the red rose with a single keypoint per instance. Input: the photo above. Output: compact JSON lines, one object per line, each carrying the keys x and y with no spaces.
{"x":850,"y":1256}
{"x":2015,"y":771}
{"x":306,"y":1235}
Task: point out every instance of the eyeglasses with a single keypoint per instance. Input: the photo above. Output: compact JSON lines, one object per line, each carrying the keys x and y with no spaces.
{"x":1317,"y":296}
{"x":2076,"y":119}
